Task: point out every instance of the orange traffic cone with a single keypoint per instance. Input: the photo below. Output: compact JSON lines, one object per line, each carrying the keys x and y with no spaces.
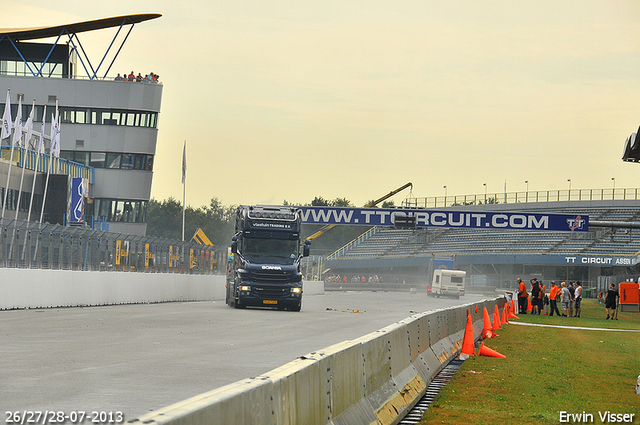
{"x":486,"y":351}
{"x":512,"y":311}
{"x":468,"y":341}
{"x":529,"y":306}
{"x":496,"y":319}
{"x":476,"y":309}
{"x":505,"y":314}
{"x":487,"y":329}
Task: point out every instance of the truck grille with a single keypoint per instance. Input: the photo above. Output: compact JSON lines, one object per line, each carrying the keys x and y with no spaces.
{"x":270,"y":291}
{"x":272,"y":276}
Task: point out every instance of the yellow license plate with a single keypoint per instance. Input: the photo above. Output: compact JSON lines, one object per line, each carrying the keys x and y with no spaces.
{"x":269,"y":302}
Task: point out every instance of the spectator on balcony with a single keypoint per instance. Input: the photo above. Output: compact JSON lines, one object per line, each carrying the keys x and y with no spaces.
{"x":119,"y":77}
{"x":139,"y":78}
{"x":131,"y":77}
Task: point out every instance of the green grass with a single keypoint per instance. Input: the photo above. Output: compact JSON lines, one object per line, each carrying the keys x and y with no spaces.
{"x":547,"y":370}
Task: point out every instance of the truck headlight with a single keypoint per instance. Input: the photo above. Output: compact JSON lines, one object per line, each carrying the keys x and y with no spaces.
{"x":296,"y":290}
{"x":245,"y":288}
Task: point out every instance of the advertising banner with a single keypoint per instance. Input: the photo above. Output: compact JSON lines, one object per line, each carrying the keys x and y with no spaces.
{"x":447,"y":219}
{"x":78,"y":195}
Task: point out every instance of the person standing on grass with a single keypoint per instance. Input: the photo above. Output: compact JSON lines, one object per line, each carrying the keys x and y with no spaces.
{"x":541,"y":297}
{"x":522,"y":297}
{"x":572,"y":291}
{"x":566,"y":298}
{"x":553,"y":299}
{"x":578,"y":298}
{"x":535,"y":294}
{"x":611,"y":300}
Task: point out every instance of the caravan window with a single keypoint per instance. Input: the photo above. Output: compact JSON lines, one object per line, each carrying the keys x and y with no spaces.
{"x":457,"y":279}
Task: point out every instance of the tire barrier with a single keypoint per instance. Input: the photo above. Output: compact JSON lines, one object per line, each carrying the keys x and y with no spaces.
{"x":374,"y":379}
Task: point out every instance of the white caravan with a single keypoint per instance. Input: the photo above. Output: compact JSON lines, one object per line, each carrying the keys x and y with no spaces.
{"x":448,"y":283}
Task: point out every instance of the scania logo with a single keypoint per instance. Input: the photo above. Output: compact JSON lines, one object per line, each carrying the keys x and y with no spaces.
{"x":271,"y":268}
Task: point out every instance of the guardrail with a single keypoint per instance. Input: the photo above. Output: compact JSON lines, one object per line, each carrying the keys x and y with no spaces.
{"x":519,"y":197}
{"x":373,"y":379}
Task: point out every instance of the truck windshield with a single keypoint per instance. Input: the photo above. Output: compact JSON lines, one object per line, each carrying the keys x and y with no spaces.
{"x":271,"y":248}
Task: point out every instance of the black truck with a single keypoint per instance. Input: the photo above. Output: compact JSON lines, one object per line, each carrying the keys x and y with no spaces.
{"x":265,"y":266}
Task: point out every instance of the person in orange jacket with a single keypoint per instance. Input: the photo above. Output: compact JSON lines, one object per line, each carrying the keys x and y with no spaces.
{"x":553,"y":299}
{"x":523,"y":297}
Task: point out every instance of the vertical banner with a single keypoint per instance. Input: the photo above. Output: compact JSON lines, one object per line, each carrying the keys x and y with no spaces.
{"x":152,"y":254}
{"x":146,"y":257}
{"x":118,"y":248}
{"x":78,"y":195}
{"x":191,"y":258}
{"x":124,"y":253}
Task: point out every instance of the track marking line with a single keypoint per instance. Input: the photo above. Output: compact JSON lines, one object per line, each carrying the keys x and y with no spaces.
{"x":574,"y":327}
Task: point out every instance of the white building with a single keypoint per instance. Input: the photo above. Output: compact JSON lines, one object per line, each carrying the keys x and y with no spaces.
{"x":109,"y":125}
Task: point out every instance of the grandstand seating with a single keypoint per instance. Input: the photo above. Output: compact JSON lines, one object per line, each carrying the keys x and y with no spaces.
{"x":389,"y":243}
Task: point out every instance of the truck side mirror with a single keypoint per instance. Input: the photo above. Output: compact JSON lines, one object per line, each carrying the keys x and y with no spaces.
{"x":306,"y":248}
{"x":234,"y":245}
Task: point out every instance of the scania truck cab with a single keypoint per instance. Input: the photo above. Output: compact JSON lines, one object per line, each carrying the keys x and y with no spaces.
{"x":266,"y":252}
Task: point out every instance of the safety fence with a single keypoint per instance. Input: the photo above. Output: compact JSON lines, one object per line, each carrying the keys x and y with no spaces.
{"x":377,"y":378}
{"x":526,"y":196}
{"x":52,"y":246}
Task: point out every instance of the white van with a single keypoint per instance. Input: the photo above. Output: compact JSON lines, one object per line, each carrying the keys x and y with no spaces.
{"x":449,"y":283}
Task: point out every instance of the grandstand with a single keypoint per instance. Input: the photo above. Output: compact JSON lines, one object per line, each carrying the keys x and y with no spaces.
{"x":501,"y":255}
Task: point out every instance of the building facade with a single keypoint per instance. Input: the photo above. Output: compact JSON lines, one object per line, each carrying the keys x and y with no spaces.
{"x":106,"y":124}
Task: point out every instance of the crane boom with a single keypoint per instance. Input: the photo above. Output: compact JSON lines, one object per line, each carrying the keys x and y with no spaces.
{"x":371,"y":204}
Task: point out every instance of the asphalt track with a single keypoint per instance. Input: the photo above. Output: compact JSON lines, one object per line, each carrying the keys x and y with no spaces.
{"x":138,"y":358}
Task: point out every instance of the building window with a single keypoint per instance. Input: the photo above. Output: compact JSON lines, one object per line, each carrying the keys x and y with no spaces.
{"x":98,"y":159}
{"x":113,"y":160}
{"x":122,"y":210}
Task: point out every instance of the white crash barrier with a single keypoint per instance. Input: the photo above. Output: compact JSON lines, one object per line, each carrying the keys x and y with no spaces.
{"x":374,"y":379}
{"x":38,"y":288}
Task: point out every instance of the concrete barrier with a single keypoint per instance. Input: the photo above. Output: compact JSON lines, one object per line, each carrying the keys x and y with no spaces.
{"x":38,"y":288}
{"x":374,"y":379}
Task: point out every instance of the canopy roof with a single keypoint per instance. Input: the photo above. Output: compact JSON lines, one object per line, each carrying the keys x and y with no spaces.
{"x":47,"y":32}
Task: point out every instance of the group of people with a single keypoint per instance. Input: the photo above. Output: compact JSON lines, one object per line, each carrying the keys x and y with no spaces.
{"x":131,"y":77}
{"x":569,"y":296}
{"x":354,"y":279}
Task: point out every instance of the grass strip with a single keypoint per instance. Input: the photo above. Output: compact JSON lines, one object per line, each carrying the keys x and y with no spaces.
{"x":548,"y":371}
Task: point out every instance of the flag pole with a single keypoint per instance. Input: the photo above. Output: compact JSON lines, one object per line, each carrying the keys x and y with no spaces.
{"x":51,"y":156}
{"x":40,"y":145}
{"x":33,"y":184}
{"x":25,"y":154}
{"x":4,"y":134}
{"x":184,"y":185}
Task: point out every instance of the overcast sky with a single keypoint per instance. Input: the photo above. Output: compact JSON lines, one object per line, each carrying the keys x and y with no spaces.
{"x":289,"y":100}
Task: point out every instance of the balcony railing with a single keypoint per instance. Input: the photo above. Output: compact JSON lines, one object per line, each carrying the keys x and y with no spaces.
{"x":524,"y":197}
{"x":60,"y":165}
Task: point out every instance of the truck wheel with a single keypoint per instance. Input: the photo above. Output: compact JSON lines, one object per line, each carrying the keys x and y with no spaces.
{"x":237,"y":304}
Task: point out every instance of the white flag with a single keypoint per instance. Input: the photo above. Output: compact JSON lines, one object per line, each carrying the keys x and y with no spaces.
{"x":29,"y":125}
{"x":54,"y":150}
{"x":184,"y":162}
{"x":6,"y":117}
{"x":17,"y":126}
{"x":41,"y":139}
